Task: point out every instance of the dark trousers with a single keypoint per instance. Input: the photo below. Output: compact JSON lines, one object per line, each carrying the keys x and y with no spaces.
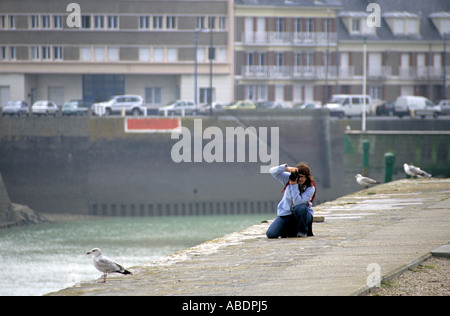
{"x":289,"y":226}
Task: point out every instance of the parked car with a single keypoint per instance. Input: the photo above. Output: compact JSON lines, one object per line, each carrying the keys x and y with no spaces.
{"x":131,"y":104}
{"x":273,"y":105}
{"x":406,"y":104}
{"x":74,"y":107}
{"x":386,"y":108}
{"x":206,"y":109}
{"x":445,"y":107}
{"x":429,"y":110}
{"x":348,"y":104}
{"x":44,"y":108}
{"x":179,"y":107}
{"x":241,"y":105}
{"x":16,"y":108}
{"x":306,"y":105}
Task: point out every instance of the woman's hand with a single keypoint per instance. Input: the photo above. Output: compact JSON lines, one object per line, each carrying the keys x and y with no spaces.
{"x":291,"y":169}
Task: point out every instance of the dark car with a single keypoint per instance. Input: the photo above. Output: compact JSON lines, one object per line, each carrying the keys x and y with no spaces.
{"x":74,"y":107}
{"x":386,"y":108}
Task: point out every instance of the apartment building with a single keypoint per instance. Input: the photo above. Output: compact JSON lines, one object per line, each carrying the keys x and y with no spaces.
{"x":287,"y":50}
{"x":91,"y":50}
{"x":306,"y":50}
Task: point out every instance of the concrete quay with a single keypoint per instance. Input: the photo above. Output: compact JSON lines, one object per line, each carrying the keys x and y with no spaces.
{"x":376,"y":232}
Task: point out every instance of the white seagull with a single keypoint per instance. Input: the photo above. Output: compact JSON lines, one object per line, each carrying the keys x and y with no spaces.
{"x":365,"y":181}
{"x":412,"y":171}
{"x":105,"y":265}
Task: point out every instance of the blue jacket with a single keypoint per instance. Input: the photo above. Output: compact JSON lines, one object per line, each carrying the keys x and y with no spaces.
{"x":292,"y":196}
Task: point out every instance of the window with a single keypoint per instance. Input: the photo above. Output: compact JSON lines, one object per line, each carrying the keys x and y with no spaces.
{"x":12,"y":22}
{"x":249,"y":92}
{"x":171,"y":22}
{"x":172,"y":54}
{"x":46,"y":21}
{"x":211,"y":22}
{"x":57,"y":22}
{"x":153,"y":95}
{"x":222,"y":52}
{"x":34,"y":53}
{"x":280,"y":25}
{"x":222,"y":23}
{"x":3,"y":22}
{"x":57,"y":53}
{"x":3,"y":51}
{"x":309,"y":25}
{"x":86,"y":53}
{"x":99,"y":53}
{"x":279,"y":59}
{"x":298,"y":25}
{"x":46,"y":53}
{"x":12,"y":53}
{"x":411,"y":26}
{"x":399,"y":26}
{"x":113,"y":22}
{"x":206,"y":95}
{"x":200,"y":54}
{"x":99,"y":21}
{"x":200,"y":22}
{"x":86,"y":21}
{"x":158,"y":54}
{"x":144,"y":54}
{"x":356,"y":25}
{"x":157,"y":22}
{"x":113,"y":54}
{"x":34,"y":21}
{"x":144,"y":22}
{"x":262,"y":92}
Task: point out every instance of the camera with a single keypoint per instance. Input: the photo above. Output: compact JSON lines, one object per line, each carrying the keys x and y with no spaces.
{"x":294,"y":176}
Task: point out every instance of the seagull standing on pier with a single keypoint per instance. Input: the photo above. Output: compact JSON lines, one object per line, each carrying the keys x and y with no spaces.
{"x":365,"y":181}
{"x":106,"y":265}
{"x":412,"y":171}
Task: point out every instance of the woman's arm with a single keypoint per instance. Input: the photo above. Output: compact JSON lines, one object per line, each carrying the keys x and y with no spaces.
{"x":298,"y":198}
{"x":281,"y":173}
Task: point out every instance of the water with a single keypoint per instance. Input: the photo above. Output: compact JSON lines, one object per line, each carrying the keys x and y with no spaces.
{"x":38,"y":259}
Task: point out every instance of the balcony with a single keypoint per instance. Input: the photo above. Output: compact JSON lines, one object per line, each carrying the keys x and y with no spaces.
{"x":297,"y":72}
{"x":422,"y":72}
{"x":288,"y":38}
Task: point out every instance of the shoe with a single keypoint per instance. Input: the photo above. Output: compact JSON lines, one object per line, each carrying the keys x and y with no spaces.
{"x":301,"y":234}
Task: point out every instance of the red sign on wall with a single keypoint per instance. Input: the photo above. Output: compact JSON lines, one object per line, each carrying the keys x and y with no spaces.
{"x":152,"y":125}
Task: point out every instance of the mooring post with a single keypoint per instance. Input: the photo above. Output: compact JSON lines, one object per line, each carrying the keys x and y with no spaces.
{"x":366,"y":148}
{"x":389,"y":159}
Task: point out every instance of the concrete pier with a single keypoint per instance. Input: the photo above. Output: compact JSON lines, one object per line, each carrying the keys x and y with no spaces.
{"x":371,"y":234}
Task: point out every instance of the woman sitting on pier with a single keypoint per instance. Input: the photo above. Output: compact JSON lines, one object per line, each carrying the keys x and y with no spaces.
{"x":295,"y":213}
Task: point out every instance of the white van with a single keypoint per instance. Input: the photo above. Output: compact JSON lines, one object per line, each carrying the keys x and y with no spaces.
{"x":348,"y":104}
{"x":408,"y":104}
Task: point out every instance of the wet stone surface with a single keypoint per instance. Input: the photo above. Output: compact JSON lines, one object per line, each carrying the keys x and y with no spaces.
{"x":387,"y":226}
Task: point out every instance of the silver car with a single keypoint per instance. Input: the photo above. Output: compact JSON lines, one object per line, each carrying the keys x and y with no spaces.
{"x":16,"y":108}
{"x":132,"y":104}
{"x":44,"y":108}
{"x":179,"y":107}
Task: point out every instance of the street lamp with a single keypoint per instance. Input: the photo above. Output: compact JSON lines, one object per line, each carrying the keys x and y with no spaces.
{"x":363,"y":123}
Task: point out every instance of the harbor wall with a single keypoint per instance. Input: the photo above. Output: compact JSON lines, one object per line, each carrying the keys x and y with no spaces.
{"x":93,"y":166}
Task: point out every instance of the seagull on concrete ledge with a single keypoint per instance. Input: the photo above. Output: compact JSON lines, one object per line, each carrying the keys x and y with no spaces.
{"x":106,"y":265}
{"x":365,"y":181}
{"x":412,"y":171}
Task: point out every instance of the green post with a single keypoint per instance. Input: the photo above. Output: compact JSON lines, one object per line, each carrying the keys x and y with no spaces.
{"x":366,"y":147}
{"x":389,"y":159}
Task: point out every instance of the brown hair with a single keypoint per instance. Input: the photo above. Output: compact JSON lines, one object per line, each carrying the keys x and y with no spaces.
{"x":303,"y":169}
